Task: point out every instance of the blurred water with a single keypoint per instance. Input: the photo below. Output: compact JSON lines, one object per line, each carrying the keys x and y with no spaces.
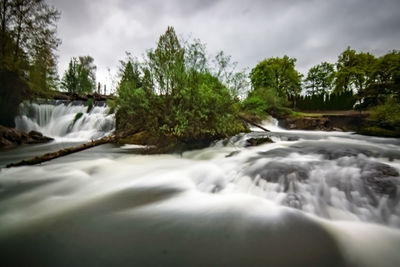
{"x":309,"y":199}
{"x":56,"y":120}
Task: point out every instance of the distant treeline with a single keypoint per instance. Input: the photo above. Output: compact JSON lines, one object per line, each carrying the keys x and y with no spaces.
{"x":339,"y":101}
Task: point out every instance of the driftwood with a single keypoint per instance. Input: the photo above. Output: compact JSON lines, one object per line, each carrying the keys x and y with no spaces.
{"x":66,"y":151}
{"x":253,"y":123}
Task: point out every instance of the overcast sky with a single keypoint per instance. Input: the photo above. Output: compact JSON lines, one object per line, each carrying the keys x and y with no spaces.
{"x":249,"y":30}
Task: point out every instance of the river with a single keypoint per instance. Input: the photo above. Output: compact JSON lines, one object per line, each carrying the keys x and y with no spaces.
{"x":308,"y":199}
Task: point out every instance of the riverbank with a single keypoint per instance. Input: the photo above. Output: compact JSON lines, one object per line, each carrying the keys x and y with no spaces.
{"x":325,"y":121}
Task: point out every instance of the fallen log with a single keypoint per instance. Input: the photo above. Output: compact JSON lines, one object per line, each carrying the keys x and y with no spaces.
{"x":253,"y":123}
{"x":66,"y":151}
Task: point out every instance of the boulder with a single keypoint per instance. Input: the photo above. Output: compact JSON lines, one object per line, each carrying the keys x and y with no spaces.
{"x":11,"y":137}
{"x":257,"y":141}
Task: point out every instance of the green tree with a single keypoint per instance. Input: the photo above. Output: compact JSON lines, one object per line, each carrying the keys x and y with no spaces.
{"x":384,"y":81}
{"x":80,"y":76}
{"x":167,"y":63}
{"x":353,"y":71}
{"x":28,"y":43}
{"x":319,"y":79}
{"x":175,"y":95}
{"x":278,"y":74}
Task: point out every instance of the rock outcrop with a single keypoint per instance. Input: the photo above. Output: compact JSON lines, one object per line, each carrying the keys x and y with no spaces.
{"x":324,"y":122}
{"x":11,"y":137}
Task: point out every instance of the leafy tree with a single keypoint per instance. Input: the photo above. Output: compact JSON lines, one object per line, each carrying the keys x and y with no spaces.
{"x":225,"y":70}
{"x":167,"y":62}
{"x":28,"y":43}
{"x":354,"y":71}
{"x":26,"y":26}
{"x":384,"y":81}
{"x":278,"y":74}
{"x":174,"y":94}
{"x":80,"y":76}
{"x":319,"y":79}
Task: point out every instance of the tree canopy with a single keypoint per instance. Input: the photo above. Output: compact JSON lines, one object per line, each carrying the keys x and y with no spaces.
{"x":319,"y":79}
{"x":174,"y":93}
{"x":80,"y":77}
{"x":28,"y":61}
{"x":278,"y":74}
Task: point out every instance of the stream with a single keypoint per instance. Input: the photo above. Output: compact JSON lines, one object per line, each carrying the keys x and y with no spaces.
{"x":311,"y":198}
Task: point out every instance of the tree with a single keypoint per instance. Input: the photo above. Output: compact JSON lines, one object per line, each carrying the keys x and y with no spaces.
{"x":319,"y":79}
{"x":384,"y":81}
{"x":28,"y":43}
{"x":80,"y":76}
{"x":174,"y":94}
{"x":353,"y":71}
{"x":278,"y":74}
{"x":167,"y":62}
{"x":26,"y":26}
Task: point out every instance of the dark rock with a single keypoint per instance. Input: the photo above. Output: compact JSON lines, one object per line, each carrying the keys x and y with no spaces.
{"x":234,"y":153}
{"x":257,"y":141}
{"x":324,"y":123}
{"x":380,"y":178}
{"x":11,"y":137}
{"x":280,"y":172}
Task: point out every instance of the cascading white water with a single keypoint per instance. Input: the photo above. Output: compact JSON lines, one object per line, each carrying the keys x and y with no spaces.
{"x":309,"y":199}
{"x":58,"y":120}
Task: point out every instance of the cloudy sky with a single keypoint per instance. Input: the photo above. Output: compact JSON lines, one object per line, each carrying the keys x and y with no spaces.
{"x":249,"y":30}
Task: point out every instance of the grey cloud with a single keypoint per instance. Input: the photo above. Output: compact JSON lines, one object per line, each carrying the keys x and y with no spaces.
{"x":309,"y":30}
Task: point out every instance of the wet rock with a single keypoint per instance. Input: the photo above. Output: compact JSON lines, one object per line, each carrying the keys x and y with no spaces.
{"x":11,"y":137}
{"x":234,"y":153}
{"x":257,"y":141}
{"x":324,"y":122}
{"x":35,"y":137}
{"x":280,"y":172}
{"x":381,"y":178}
{"x":305,"y":123}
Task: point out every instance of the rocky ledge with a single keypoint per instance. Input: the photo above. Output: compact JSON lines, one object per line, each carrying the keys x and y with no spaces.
{"x":325,"y":122}
{"x":11,"y":137}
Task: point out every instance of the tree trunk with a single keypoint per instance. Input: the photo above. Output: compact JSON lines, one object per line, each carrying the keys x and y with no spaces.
{"x":253,"y":123}
{"x":3,"y":28}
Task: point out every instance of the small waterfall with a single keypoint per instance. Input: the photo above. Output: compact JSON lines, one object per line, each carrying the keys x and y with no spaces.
{"x":65,"y":121}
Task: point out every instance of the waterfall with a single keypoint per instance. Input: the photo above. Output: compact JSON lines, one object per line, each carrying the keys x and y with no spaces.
{"x":65,"y":121}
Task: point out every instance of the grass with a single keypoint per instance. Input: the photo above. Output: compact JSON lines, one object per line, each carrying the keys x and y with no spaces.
{"x":302,"y":114}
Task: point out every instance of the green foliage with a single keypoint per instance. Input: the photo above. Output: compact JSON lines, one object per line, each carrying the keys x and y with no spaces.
{"x":385,"y":81}
{"x":278,"y":74}
{"x":77,"y":117}
{"x":80,"y":76}
{"x":353,"y":71}
{"x":319,"y":79}
{"x":90,"y":103}
{"x":27,"y":53}
{"x":269,"y":100}
{"x":386,"y":116}
{"x":174,"y":94}
{"x":255,"y":105}
{"x":338,"y":101}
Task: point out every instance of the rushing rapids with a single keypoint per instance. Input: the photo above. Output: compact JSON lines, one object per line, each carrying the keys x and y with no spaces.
{"x":309,"y":199}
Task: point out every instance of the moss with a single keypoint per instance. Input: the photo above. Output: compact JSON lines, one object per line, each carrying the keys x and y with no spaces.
{"x":77,"y":117}
{"x":90,"y":103}
{"x":302,"y":114}
{"x":378,"y":131}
